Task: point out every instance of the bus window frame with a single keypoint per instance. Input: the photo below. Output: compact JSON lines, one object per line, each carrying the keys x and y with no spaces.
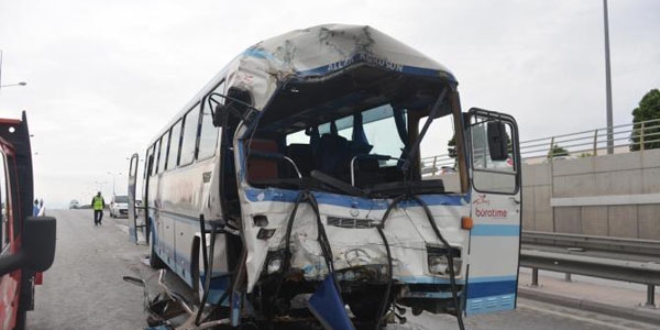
{"x":156,"y":155}
{"x":183,"y":130}
{"x":161,"y":169}
{"x":147,"y":170}
{"x":515,"y":154}
{"x":219,"y":89}
{"x":178,"y":145}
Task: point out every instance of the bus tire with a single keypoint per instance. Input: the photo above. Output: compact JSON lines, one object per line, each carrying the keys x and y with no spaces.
{"x":154,"y":259}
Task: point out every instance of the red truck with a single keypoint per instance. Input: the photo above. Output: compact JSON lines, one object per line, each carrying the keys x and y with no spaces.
{"x":27,"y":246}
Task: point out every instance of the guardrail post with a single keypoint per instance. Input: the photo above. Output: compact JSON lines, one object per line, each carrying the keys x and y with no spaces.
{"x":595,"y":153}
{"x":434,"y":169}
{"x":568,"y":277}
{"x":650,"y":296}
{"x":551,"y":153}
{"x":535,"y":277}
{"x":641,"y":138}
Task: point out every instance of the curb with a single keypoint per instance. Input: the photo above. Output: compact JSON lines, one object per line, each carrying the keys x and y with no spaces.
{"x":641,"y":314}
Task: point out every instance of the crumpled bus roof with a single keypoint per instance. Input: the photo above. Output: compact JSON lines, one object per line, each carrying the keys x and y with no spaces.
{"x":315,"y":53}
{"x":321,"y":51}
{"x":324,"y":49}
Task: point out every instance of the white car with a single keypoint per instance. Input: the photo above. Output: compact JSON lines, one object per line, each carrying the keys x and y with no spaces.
{"x":74,"y":204}
{"x":118,"y":206}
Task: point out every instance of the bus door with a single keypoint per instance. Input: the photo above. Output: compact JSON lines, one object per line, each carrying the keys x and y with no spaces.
{"x":496,"y":212}
{"x":136,"y":219}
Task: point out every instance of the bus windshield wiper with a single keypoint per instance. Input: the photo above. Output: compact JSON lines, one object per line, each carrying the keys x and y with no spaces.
{"x":432,"y":115}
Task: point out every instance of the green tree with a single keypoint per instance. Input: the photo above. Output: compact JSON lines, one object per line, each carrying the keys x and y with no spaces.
{"x":557,"y":151}
{"x":451,"y":147}
{"x":648,"y":109}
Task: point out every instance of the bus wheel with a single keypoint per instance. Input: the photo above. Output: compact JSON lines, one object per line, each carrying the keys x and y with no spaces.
{"x":154,"y":259}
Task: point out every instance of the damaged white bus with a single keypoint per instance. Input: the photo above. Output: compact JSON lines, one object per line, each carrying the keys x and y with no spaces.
{"x":289,"y":189}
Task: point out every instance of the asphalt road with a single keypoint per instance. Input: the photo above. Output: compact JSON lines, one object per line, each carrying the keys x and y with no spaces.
{"x":84,"y":289}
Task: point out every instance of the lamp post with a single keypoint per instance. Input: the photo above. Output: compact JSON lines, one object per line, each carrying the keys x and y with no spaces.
{"x":608,"y":85}
{"x":100,"y":183}
{"x":113,"y":180}
{"x":22,"y":83}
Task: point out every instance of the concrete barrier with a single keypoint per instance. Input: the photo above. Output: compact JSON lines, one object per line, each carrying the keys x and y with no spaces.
{"x":612,"y":195}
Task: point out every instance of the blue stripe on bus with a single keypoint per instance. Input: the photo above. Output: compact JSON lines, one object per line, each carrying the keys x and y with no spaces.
{"x":495,"y":230}
{"x":289,"y":196}
{"x":490,"y":304}
{"x":484,"y":279}
{"x":487,"y":289}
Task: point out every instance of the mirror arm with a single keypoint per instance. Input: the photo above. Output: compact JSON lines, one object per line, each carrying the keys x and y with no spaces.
{"x":12,"y":262}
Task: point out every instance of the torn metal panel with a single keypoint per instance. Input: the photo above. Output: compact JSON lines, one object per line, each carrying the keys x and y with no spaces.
{"x":407,"y":232}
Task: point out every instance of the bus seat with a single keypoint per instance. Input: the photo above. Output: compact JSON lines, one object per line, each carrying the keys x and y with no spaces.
{"x":301,"y":154}
{"x":261,"y":169}
{"x":367,"y":172}
{"x":334,"y":155}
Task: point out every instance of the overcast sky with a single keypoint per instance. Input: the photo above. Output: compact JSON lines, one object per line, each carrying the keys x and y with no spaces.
{"x":104,"y":76}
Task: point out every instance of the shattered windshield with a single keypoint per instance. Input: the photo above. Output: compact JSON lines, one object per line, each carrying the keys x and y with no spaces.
{"x":379,"y":134}
{"x":351,"y":134}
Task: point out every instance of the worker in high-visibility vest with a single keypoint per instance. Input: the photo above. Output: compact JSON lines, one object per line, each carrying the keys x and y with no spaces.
{"x":98,"y":204}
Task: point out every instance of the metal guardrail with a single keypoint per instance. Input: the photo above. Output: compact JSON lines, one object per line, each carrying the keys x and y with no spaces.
{"x":600,"y":243}
{"x":620,"y":269}
{"x":627,"y":137}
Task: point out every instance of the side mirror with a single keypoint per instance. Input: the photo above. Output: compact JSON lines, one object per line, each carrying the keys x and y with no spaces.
{"x":217,"y":115}
{"x":39,"y":242}
{"x":38,"y":250}
{"x":497,"y":141}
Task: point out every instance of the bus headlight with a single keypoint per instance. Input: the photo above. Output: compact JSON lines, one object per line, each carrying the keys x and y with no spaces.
{"x":438,"y":262}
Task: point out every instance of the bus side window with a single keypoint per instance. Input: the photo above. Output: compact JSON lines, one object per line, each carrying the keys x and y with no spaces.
{"x":162,"y":156}
{"x":189,"y":138}
{"x":208,"y":136}
{"x":209,"y":133}
{"x":175,"y":140}
{"x":147,"y":168}
{"x":156,"y":157}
